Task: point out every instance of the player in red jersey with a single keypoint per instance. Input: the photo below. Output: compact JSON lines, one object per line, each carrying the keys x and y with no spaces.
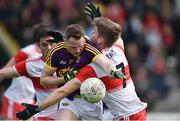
{"x":32,"y":68}
{"x":12,"y":99}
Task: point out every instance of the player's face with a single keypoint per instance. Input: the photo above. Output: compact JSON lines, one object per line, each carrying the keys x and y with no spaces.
{"x":74,"y":46}
{"x":95,"y":36}
{"x":46,"y":43}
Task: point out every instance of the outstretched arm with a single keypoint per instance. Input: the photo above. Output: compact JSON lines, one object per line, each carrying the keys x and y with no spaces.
{"x":52,"y":99}
{"x":102,"y":61}
{"x":60,"y":93}
{"x":92,"y":11}
{"x":108,"y":67}
{"x":8,"y":72}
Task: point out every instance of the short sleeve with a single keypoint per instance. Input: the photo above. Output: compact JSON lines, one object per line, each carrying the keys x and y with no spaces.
{"x":21,"y":68}
{"x":20,"y":56}
{"x":85,"y":73}
{"x":53,"y":56}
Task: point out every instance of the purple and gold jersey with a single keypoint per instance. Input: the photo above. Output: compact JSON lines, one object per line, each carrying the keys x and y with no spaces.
{"x":61,"y":61}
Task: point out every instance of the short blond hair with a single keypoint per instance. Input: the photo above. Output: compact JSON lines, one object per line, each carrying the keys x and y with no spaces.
{"x":107,"y":29}
{"x":74,"y":30}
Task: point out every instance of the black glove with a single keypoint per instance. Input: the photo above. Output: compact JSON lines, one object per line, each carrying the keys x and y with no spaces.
{"x":57,"y":36}
{"x":92,"y":11}
{"x":118,"y":74}
{"x":28,"y":112}
{"x":70,"y":75}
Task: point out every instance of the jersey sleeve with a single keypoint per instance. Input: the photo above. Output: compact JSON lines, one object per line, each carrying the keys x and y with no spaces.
{"x":21,"y":68}
{"x":85,"y":73}
{"x":20,"y":56}
{"x":53,"y":56}
{"x":92,"y":52}
{"x":88,"y":55}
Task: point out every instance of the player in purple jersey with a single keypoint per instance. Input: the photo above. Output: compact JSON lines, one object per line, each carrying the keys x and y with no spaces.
{"x":75,"y":52}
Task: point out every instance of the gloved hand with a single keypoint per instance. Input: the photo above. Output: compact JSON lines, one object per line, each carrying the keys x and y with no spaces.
{"x":92,"y":11}
{"x":57,"y":36}
{"x":28,"y":112}
{"x":117,"y":74}
{"x":70,"y":75}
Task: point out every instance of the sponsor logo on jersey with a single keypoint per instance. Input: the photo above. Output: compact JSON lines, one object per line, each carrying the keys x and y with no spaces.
{"x":39,"y":70}
{"x":63,"y":62}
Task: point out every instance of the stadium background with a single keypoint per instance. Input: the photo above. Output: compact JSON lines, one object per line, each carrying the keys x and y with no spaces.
{"x":150,"y":30}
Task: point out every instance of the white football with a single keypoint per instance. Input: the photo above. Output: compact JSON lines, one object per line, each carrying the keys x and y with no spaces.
{"x":92,"y":90}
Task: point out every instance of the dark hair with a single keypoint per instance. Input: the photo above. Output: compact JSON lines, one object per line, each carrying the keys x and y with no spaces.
{"x":40,"y":30}
{"x":74,"y":30}
{"x":107,"y":29}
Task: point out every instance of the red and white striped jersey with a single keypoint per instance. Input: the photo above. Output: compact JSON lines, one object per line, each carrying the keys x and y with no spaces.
{"x":120,"y":101}
{"x":21,"y":88}
{"x":33,"y":68}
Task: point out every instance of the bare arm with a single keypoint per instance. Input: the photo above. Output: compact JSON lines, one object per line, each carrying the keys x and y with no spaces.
{"x":105,"y":64}
{"x":47,"y":78}
{"x":60,"y":93}
{"x":8,"y":72}
{"x":10,"y":63}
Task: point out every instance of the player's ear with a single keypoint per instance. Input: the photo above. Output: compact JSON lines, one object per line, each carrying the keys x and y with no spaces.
{"x":100,"y":40}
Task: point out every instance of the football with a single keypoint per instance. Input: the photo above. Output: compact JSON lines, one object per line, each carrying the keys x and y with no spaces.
{"x":92,"y":90}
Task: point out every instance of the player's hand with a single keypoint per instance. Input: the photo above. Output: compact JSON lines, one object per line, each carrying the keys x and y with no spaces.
{"x":70,"y":75}
{"x":117,"y":74}
{"x":92,"y":11}
{"x":28,"y":112}
{"x":57,"y":36}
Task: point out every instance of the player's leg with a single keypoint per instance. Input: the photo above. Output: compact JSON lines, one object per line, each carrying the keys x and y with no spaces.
{"x":9,"y":108}
{"x":67,"y":111}
{"x":88,"y":111}
{"x":139,"y":116}
{"x":66,"y":114}
{"x":4,"y":108}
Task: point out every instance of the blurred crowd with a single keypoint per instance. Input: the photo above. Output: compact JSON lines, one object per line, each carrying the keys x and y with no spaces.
{"x":150,"y":30}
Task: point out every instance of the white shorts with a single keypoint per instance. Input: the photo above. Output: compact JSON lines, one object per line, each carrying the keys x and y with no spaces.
{"x":82,"y":109}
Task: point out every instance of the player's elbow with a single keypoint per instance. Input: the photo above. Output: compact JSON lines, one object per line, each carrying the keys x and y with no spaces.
{"x":43,"y":82}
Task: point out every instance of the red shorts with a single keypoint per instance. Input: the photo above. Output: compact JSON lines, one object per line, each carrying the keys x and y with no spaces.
{"x":10,"y":108}
{"x":42,"y":119}
{"x":140,"y":116}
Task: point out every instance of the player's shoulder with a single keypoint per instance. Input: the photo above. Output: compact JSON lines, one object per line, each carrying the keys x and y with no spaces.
{"x":119,"y":44}
{"x":90,"y":42}
{"x":34,"y":59}
{"x":29,"y":47}
{"x":58,"y":47}
{"x":91,"y":46}
{"x":31,"y":50}
{"x":33,"y":63}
